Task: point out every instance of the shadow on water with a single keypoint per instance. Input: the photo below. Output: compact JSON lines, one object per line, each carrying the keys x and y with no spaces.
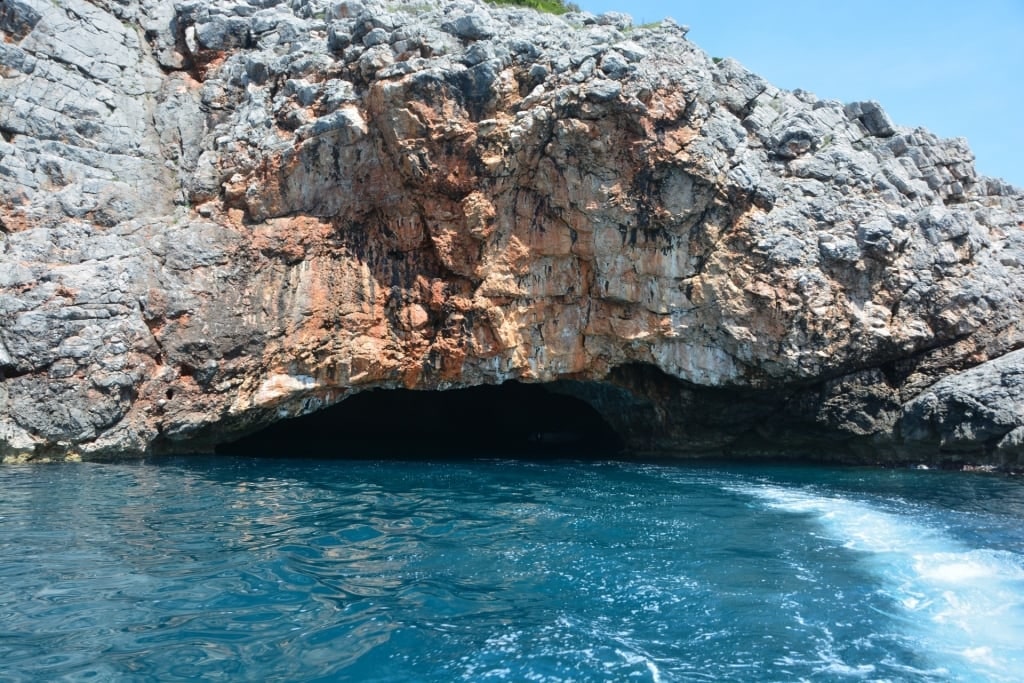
{"x":510,"y":420}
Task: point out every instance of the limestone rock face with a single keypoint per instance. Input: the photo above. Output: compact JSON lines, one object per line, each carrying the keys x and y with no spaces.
{"x":215,"y":215}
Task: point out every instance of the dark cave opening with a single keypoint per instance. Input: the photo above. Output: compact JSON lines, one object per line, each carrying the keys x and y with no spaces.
{"x":508,"y":420}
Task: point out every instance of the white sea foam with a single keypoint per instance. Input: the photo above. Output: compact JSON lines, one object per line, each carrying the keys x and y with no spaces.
{"x":968,"y":602}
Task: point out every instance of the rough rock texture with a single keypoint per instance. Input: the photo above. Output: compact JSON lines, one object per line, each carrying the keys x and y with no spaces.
{"x":214,"y":215}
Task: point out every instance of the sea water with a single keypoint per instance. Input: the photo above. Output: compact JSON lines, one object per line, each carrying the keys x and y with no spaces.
{"x":507,"y":570}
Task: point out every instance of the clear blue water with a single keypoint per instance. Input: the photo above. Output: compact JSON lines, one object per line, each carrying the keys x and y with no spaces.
{"x":491,"y":570}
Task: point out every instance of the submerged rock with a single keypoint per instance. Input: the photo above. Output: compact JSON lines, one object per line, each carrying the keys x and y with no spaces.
{"x":214,"y":216}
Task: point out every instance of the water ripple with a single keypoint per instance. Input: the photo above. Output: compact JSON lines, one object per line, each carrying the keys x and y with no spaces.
{"x":488,"y":570}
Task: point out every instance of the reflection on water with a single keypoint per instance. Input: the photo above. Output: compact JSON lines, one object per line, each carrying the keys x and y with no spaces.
{"x":476,"y":570}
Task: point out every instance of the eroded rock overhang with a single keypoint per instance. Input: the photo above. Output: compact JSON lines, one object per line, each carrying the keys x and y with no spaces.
{"x":218,"y":215}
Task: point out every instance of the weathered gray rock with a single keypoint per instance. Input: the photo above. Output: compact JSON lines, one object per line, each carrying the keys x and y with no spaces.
{"x":214,"y":215}
{"x":873,"y":117}
{"x":473,"y":26}
{"x":976,"y":415}
{"x":18,"y":18}
{"x":602,"y":90}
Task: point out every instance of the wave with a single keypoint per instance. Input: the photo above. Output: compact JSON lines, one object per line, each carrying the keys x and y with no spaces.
{"x":964,"y":605}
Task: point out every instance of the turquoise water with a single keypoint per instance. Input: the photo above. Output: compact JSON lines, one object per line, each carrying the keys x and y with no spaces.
{"x":499,"y":570}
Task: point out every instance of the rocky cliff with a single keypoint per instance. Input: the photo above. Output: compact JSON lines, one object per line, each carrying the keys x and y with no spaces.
{"x":216,"y":215}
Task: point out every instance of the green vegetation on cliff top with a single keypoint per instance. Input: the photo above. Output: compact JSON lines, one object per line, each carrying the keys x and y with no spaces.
{"x":553,"y":6}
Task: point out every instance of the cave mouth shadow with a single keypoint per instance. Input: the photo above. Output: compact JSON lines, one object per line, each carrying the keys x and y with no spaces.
{"x":510,"y":420}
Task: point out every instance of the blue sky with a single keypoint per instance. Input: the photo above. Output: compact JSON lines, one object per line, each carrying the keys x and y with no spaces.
{"x":956,"y":68}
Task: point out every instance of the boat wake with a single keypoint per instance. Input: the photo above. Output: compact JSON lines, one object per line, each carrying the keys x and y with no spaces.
{"x":961,"y":605}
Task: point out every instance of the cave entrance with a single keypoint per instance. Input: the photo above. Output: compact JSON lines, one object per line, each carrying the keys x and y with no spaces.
{"x":507,"y":420}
